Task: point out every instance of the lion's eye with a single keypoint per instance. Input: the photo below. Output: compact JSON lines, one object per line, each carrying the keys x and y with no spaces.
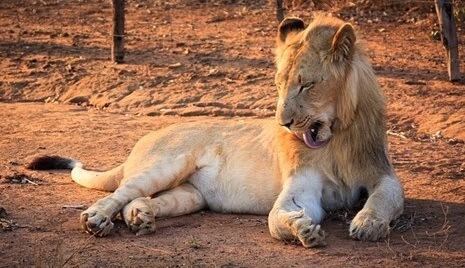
{"x":306,"y":86}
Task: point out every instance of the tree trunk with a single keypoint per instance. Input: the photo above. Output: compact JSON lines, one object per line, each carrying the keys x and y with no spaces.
{"x":117,"y":49}
{"x":448,"y":32}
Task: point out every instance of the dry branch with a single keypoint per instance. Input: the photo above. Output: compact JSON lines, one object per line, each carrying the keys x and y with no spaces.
{"x":74,"y":206}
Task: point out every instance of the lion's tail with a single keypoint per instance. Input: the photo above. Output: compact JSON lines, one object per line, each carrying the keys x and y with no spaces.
{"x":105,"y":180}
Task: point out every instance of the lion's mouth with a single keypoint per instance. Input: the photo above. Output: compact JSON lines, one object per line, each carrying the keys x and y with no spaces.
{"x":310,"y":137}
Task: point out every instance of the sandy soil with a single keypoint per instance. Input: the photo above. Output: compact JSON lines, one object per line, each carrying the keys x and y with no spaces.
{"x":191,"y":61}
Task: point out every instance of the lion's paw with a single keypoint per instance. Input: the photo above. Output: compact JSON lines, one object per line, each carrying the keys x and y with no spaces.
{"x":139,"y":216}
{"x":310,"y":234}
{"x":96,"y":222}
{"x":367,"y":227}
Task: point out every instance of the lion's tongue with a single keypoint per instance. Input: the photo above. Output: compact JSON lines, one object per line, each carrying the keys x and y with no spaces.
{"x":309,"y":141}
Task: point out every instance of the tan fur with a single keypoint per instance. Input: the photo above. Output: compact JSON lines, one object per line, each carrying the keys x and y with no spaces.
{"x":257,"y":166}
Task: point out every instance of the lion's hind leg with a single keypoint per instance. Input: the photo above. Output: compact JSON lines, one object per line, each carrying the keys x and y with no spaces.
{"x":163,"y":174}
{"x":140,"y":214}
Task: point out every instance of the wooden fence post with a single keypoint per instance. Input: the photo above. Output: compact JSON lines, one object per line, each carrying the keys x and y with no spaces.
{"x":279,"y":10}
{"x":448,"y":32}
{"x":117,"y":49}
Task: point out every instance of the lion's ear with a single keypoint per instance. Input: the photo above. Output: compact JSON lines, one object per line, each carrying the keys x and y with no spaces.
{"x":288,"y":27}
{"x":343,"y":43}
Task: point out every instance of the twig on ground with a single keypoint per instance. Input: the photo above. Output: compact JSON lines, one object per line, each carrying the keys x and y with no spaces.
{"x":82,"y":207}
{"x":79,"y":250}
{"x":8,"y":225}
{"x":29,"y":181}
{"x":151,"y":248}
{"x":400,"y":135}
{"x":406,"y":242}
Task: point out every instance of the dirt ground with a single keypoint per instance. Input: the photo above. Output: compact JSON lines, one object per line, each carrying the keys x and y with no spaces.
{"x":192,"y":60}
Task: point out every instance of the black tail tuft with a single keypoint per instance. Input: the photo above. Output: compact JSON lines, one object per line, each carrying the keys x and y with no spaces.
{"x":46,"y":162}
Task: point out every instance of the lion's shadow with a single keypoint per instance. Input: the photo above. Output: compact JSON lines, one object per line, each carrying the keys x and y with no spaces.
{"x":424,"y":225}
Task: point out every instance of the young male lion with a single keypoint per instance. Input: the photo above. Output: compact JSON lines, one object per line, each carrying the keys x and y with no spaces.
{"x":327,"y":145}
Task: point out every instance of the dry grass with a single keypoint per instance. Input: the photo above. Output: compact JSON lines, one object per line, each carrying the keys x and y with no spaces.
{"x":57,"y":258}
{"x":414,"y":248}
{"x":445,"y":228}
{"x":193,"y":243}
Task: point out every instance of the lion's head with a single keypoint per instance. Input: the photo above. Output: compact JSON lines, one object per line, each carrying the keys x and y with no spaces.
{"x":318,"y":70}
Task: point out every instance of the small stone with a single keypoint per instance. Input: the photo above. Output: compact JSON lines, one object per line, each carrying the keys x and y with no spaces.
{"x":79,"y":99}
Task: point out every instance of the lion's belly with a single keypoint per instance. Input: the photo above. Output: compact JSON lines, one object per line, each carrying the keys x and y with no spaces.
{"x":237,"y":184}
{"x":236,"y":193}
{"x":233,"y":195}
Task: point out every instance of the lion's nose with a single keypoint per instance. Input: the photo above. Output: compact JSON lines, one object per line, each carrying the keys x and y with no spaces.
{"x":287,"y":125}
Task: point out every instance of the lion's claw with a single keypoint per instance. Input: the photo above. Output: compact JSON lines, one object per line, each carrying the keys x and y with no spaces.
{"x":310,"y":234}
{"x":367,"y":227}
{"x":139,"y":217}
{"x":96,"y":223}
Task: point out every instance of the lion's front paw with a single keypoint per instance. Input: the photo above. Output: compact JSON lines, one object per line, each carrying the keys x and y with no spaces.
{"x":96,"y":222}
{"x":367,"y":227}
{"x":310,"y":234}
{"x":139,"y":216}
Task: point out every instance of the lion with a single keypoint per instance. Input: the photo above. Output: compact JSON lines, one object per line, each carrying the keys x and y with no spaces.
{"x":326,"y":146}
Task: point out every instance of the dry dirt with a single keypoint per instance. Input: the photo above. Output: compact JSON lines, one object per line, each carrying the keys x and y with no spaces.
{"x":191,"y":60}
